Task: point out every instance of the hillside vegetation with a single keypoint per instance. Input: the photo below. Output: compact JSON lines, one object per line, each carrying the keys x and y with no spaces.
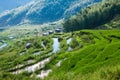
{"x":95,"y":55}
{"x":97,"y":59}
{"x":97,"y":15}
{"x":75,"y":55}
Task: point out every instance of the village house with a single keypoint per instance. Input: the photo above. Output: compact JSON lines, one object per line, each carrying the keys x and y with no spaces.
{"x":51,"y":32}
{"x":45,"y":34}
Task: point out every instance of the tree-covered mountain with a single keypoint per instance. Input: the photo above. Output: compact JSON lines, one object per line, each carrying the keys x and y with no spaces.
{"x":41,"y":11}
{"x":105,"y":14}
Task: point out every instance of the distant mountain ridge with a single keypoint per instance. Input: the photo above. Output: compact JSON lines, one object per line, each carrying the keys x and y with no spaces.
{"x":42,"y":11}
{"x":10,"y":4}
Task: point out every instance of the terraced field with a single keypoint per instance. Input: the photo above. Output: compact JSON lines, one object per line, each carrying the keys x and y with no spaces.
{"x":81,"y":55}
{"x":100,"y":49}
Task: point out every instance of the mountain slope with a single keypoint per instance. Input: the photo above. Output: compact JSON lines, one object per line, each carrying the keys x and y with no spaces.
{"x":41,"y":11}
{"x":12,"y":4}
{"x":94,"y":16}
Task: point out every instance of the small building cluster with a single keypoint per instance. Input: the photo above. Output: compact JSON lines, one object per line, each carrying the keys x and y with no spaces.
{"x":59,"y":30}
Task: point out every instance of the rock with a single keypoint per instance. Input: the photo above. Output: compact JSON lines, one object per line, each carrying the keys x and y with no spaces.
{"x":28,"y":45}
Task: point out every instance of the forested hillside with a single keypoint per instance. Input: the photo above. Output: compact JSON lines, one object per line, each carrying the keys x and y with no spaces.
{"x":97,"y":15}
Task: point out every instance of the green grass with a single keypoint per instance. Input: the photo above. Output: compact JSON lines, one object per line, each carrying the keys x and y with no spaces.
{"x":95,"y":56}
{"x":10,"y":55}
{"x":99,"y":52}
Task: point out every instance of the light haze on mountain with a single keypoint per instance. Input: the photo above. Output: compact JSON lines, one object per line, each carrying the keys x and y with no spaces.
{"x":10,"y":4}
{"x":43,"y":11}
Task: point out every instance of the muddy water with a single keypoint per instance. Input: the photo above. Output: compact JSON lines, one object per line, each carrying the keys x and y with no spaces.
{"x":33,"y":67}
{"x":56,"y":45}
{"x":44,"y":73}
{"x":59,"y":63}
{"x":37,"y":53}
{"x":2,"y":46}
{"x":43,"y":45}
{"x":68,"y":43}
{"x":22,"y":53}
